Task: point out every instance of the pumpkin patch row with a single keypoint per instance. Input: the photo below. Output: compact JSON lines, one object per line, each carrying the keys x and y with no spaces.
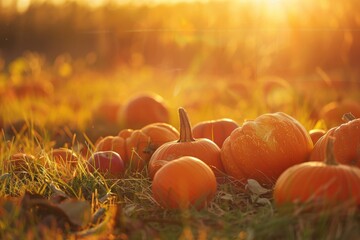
{"x":274,"y":149}
{"x":262,"y":149}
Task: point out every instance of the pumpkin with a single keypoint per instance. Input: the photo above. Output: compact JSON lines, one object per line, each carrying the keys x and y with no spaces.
{"x":143,"y":109}
{"x":316,"y":134}
{"x":65,"y":157}
{"x":202,"y":148}
{"x":136,"y":146}
{"x":263,"y":148}
{"x":108,"y":163}
{"x":322,"y":183}
{"x":215,"y":130}
{"x":332,"y":112}
{"x":184,"y":182}
{"x":111,"y":143}
{"x":346,"y":145}
{"x":141,"y":144}
{"x":20,"y":162}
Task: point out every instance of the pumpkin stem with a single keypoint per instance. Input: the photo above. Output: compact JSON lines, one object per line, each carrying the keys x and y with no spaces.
{"x":347,"y":117}
{"x":185,"y":127}
{"x":330,"y":156}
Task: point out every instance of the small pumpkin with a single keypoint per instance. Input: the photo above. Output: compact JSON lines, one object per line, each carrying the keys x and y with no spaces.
{"x":136,"y":146}
{"x":263,"y":148}
{"x":112,"y":143}
{"x":346,"y":145}
{"x":141,"y":144}
{"x":316,"y":134}
{"x":324,"y":183}
{"x":65,"y":157}
{"x":20,"y":162}
{"x":184,"y":182}
{"x":332,"y":112}
{"x":143,"y":109}
{"x":202,"y":148}
{"x":108,"y":163}
{"x":215,"y":130}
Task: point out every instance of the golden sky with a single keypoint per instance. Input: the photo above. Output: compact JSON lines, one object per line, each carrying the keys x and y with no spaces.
{"x":23,"y":4}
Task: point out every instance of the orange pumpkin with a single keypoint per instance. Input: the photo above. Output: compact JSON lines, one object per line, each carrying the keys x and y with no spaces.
{"x":322,"y":183}
{"x":125,"y":133}
{"x":184,"y":182}
{"x":136,"y":146}
{"x":144,"y":109}
{"x":111,"y":143}
{"x":216,"y":130}
{"x":316,"y":134}
{"x":202,"y":148}
{"x":332,"y":112}
{"x":346,"y":145}
{"x":263,"y":148}
{"x":141,"y":144}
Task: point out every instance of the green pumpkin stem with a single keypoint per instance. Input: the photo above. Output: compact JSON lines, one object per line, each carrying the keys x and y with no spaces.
{"x":330,"y":156}
{"x":185,"y":127}
{"x":347,"y":117}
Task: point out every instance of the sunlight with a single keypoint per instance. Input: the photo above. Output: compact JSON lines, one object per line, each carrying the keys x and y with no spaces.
{"x":276,"y":7}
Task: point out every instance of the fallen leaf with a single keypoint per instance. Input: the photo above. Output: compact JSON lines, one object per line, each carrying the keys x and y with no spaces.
{"x":254,"y":187}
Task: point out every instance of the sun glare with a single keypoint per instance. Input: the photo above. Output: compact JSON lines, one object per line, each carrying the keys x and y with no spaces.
{"x":22,"y":5}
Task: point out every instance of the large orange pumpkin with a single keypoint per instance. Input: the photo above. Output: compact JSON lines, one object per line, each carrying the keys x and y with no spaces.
{"x":184,"y":182}
{"x":321,"y":183}
{"x":263,"y":148}
{"x":136,"y":146}
{"x":215,"y":130}
{"x":143,"y":109}
{"x":202,"y":148}
{"x":346,"y":145}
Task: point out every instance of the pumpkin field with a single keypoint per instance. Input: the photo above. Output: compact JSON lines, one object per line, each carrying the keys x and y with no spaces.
{"x":187,"y":120}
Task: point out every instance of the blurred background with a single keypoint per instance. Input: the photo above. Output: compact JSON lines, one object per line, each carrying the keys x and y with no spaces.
{"x":219,"y":37}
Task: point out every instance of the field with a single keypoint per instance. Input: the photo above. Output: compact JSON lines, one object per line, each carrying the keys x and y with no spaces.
{"x":67,"y":71}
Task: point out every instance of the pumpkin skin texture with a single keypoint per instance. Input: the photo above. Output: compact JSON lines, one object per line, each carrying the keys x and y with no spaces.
{"x":144,"y":109}
{"x":263,"y":148}
{"x":141,"y":144}
{"x":108,"y":163}
{"x":316,"y":134}
{"x":216,"y":130}
{"x":322,"y":183}
{"x":111,"y":143}
{"x":332,"y":112}
{"x":202,"y":148}
{"x":346,"y":145}
{"x":184,"y":182}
